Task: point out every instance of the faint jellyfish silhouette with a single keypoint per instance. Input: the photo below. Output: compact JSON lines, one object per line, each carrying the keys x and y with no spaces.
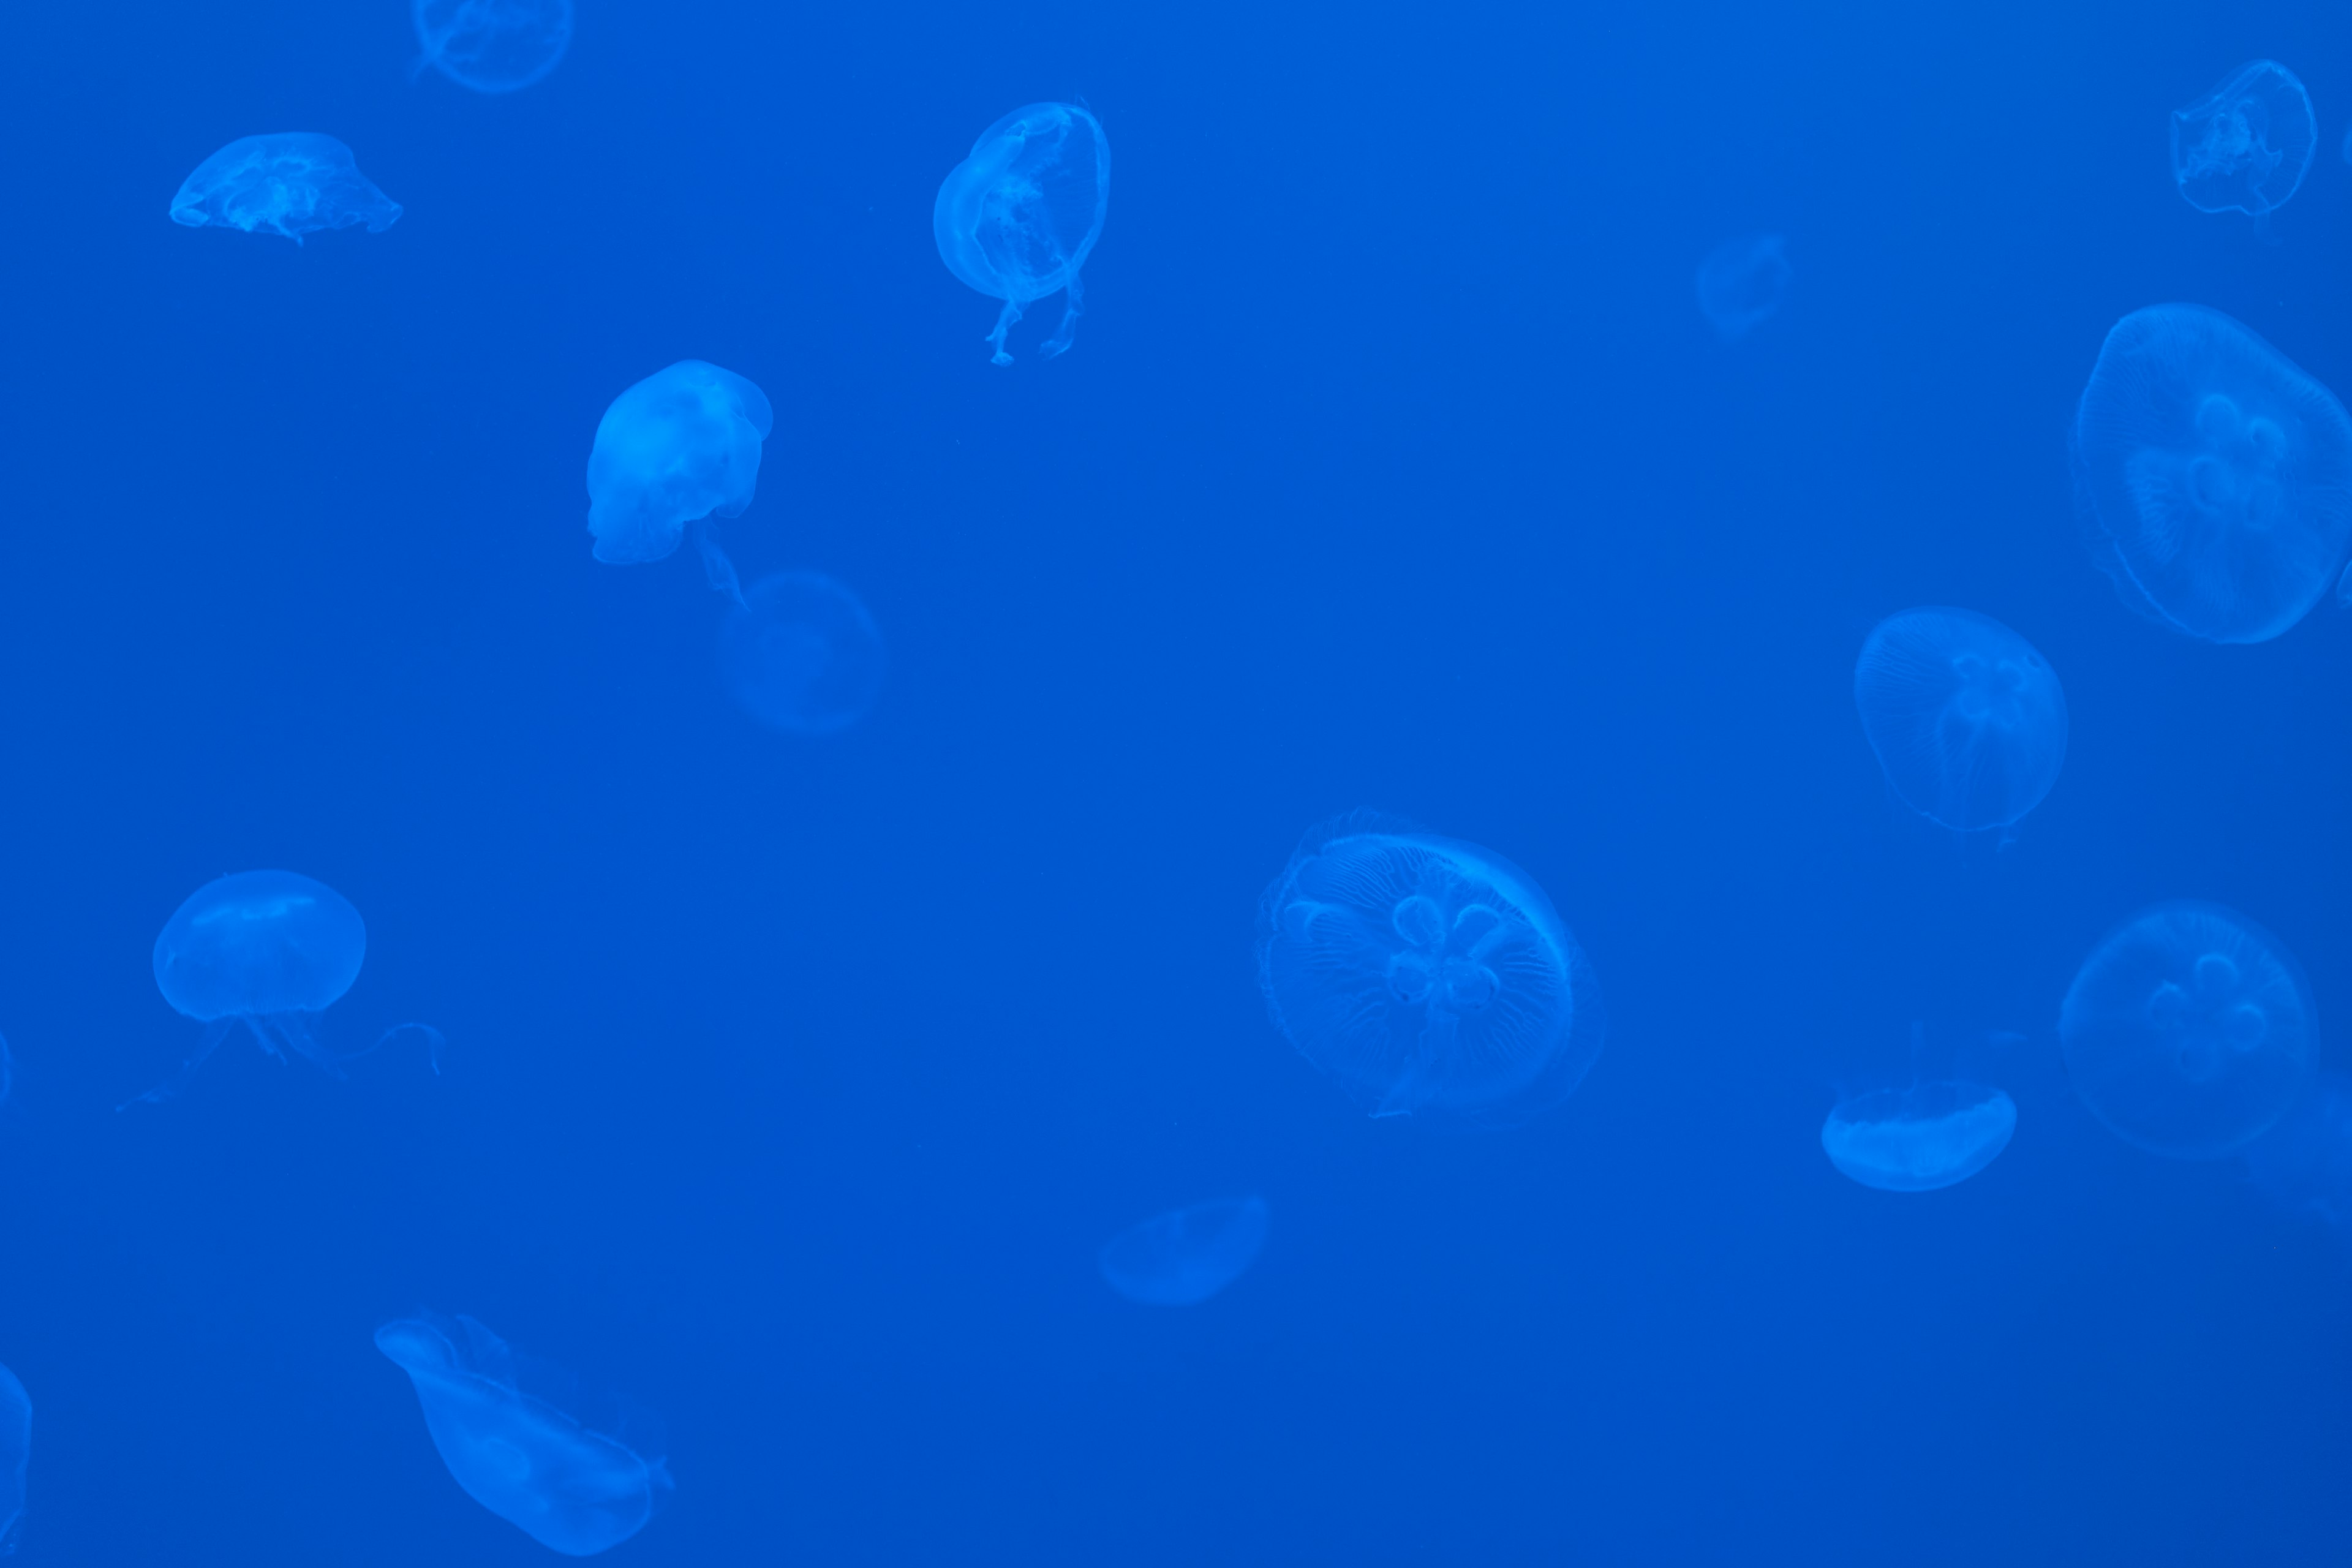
{"x":1919,"y":1139}
{"x":2188,"y":1031}
{"x":293,"y":184}
{"x":802,"y":654}
{"x":1017,"y":220}
{"x":2215,"y":477}
{"x":1967,"y":718}
{"x":679,"y":448}
{"x":1742,"y":282}
{"x":1425,"y":973}
{"x":536,"y":1466}
{"x":16,"y":1448}
{"x":2303,"y":1163}
{"x":492,"y":45}
{"x":2246,"y":145}
{"x":1186,"y":1255}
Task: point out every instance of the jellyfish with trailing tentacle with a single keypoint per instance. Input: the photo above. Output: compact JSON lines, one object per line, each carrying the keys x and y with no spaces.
{"x":294,"y":182}
{"x":2246,"y":145}
{"x":672,"y":452}
{"x":1184,"y":1256}
{"x":1017,"y":220}
{"x":492,"y":45}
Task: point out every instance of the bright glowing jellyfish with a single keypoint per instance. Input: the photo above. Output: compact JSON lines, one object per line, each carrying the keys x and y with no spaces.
{"x":1425,"y":973}
{"x":802,"y":654}
{"x":1966,"y":716}
{"x":1919,"y":1139}
{"x":679,"y":448}
{"x":293,"y":184}
{"x":1188,"y":1255}
{"x":565,"y":1485}
{"x":2188,"y":1031}
{"x":1017,"y":220}
{"x":493,"y":46}
{"x":2215,"y":477}
{"x":1742,"y":282}
{"x":2246,"y":145}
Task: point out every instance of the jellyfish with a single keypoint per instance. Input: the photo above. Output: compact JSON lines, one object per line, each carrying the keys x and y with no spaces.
{"x":492,"y":45}
{"x":679,"y":448}
{"x":16,"y":1447}
{"x":1919,"y":1139}
{"x":564,"y":1484}
{"x":2188,"y":1031}
{"x":802,"y":654}
{"x":2303,"y":1163}
{"x":1742,"y":282}
{"x":1966,"y":716}
{"x":1017,"y":220}
{"x":2215,"y":477}
{"x":2246,"y":145}
{"x":293,"y":184}
{"x":1184,"y":1256}
{"x":1425,"y":973}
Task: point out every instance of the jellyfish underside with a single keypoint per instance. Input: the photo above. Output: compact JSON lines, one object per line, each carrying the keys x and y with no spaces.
{"x":1918,"y":1140}
{"x":2207,"y":1024}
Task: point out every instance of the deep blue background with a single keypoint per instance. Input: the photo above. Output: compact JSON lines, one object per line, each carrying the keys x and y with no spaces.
{"x":792,"y":1087}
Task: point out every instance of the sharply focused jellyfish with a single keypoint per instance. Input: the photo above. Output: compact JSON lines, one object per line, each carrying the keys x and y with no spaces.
{"x":1919,"y":1139}
{"x":802,"y":654}
{"x":2188,"y":1031}
{"x":1018,"y":219}
{"x":2304,"y":1162}
{"x":1742,"y":282}
{"x":16,"y":1447}
{"x":2246,"y":145}
{"x":1187,"y":1255}
{"x":565,"y":1485}
{"x":1425,"y":973}
{"x":492,"y":45}
{"x":680,"y":447}
{"x":2215,"y":477}
{"x":293,"y":184}
{"x":1966,"y":716}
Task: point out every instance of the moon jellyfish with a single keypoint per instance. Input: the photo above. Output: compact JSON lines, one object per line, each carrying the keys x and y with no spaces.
{"x":1425,"y":973}
{"x":1017,"y":220}
{"x":679,"y":448}
{"x":802,"y":654}
{"x":564,"y":1484}
{"x":493,"y":46}
{"x":2246,"y":145}
{"x":2215,"y":476}
{"x":1966,"y":716}
{"x":1919,"y":1139}
{"x":16,"y":1448}
{"x":2188,"y":1031}
{"x":1742,"y":282}
{"x":295,"y":182}
{"x":1185,"y":1257}
{"x":2304,"y":1162}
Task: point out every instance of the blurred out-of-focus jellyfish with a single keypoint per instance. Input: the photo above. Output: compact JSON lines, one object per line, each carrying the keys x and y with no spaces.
{"x":1425,"y":973}
{"x":295,"y":182}
{"x":2246,"y":145}
{"x":679,"y":448}
{"x":492,"y":45}
{"x":1742,"y":282}
{"x":2304,"y":1162}
{"x":1187,"y":1255}
{"x":1018,"y":219}
{"x":802,"y":654}
{"x":2188,"y":1031}
{"x":564,"y":1484}
{"x":2215,"y":477}
{"x":16,"y":1447}
{"x":1919,"y":1139}
{"x":1967,"y":717}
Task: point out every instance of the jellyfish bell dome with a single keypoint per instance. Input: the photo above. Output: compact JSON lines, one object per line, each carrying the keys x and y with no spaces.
{"x":1919,"y":1139}
{"x":1017,"y":220}
{"x":1966,"y":716}
{"x":260,"y":943}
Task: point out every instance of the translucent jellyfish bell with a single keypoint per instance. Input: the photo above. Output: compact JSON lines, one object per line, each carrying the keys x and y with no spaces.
{"x":1425,"y":974}
{"x":2188,"y":1031}
{"x":1742,"y":282}
{"x":1919,"y":1139}
{"x":1017,"y":220}
{"x":2215,"y":477}
{"x":678,"y":449}
{"x":1967,"y":717}
{"x":2246,"y":145}
{"x":1185,"y":1257}
{"x":802,"y":654}
{"x":294,"y":182}
{"x":492,"y":45}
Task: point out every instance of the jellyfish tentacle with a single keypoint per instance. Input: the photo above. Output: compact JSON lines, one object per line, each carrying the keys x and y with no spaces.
{"x":215,"y":1033}
{"x":1075,"y":305}
{"x":716,"y":566}
{"x":1004,"y":319}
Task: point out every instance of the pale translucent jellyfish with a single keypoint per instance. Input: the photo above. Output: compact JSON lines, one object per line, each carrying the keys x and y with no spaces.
{"x":16,"y":1448}
{"x":1967,"y":717}
{"x":294,"y":182}
{"x":2305,"y":1161}
{"x":1187,"y":1255}
{"x":2246,"y":145}
{"x":492,"y":45}
{"x":679,"y":448}
{"x":1017,"y":220}
{"x":802,"y":654}
{"x":1742,"y":283}
{"x":565,"y":1485}
{"x":1919,"y":1139}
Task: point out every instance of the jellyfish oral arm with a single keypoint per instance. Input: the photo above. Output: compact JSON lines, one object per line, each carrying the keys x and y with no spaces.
{"x":1418,"y":1083}
{"x":1004,"y":319}
{"x":1062,"y":334}
{"x":215,"y":1033}
{"x":716,"y":566}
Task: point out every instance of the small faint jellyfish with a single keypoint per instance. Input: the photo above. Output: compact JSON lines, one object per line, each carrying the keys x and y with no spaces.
{"x":1425,"y":973}
{"x":492,"y":45}
{"x":1017,"y":220}
{"x":2188,"y":1031}
{"x":293,"y":184}
{"x":1742,"y":282}
{"x":2214,"y":477}
{"x":2246,"y":145}
{"x":16,"y":1447}
{"x":1185,"y":1257}
{"x":802,"y":654}
{"x":677,"y":450}
{"x":2304,"y":1162}
{"x":1966,"y":716}
{"x":1919,"y":1139}
{"x":564,"y":1484}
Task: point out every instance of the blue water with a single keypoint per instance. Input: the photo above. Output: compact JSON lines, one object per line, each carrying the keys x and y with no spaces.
{"x":793,"y":1085}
